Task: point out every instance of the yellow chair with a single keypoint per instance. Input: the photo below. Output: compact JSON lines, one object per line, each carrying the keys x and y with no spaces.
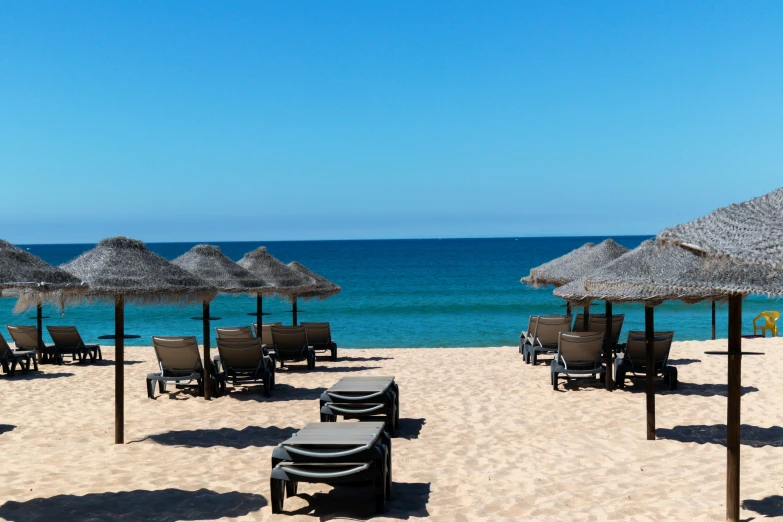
{"x":770,"y":323}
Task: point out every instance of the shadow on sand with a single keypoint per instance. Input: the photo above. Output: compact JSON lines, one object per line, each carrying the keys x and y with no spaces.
{"x":164,"y":505}
{"x":320,"y":368}
{"x":357,"y":502}
{"x":771,"y":506}
{"x":409,"y":428}
{"x":282,"y":392}
{"x":364,"y":359}
{"x":716,"y":434}
{"x":33,"y":375}
{"x":251,"y":436}
{"x":5,"y":428}
{"x":685,"y":388}
{"x":683,"y":362}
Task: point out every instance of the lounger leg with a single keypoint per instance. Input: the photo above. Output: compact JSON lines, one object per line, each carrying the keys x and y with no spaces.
{"x":12,"y":370}
{"x":276,"y":486}
{"x":162,"y":386}
{"x":380,"y":487}
{"x":291,"y":488}
{"x":534,"y":355}
{"x":150,"y":388}
{"x":554,"y":380}
{"x":5,"y":366}
{"x":334,"y":352}
{"x":34,"y":360}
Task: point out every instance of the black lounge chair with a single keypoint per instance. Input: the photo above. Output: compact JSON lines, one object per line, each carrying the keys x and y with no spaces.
{"x":244,"y":362}
{"x":363,"y":397}
{"x":319,"y":336}
{"x":290,"y":344}
{"x":635,"y":359}
{"x":26,"y":339}
{"x":67,"y":341}
{"x":578,"y":354}
{"x":333,"y":453}
{"x":10,"y":358}
{"x":545,"y":335}
{"x":180,"y":362}
{"x":526,"y":337}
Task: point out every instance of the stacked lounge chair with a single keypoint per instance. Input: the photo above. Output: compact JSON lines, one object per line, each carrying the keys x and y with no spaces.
{"x":634,"y":360}
{"x":180,"y":362}
{"x":361,"y":397}
{"x":319,"y":336}
{"x":578,"y":354}
{"x":10,"y":358}
{"x":333,"y":453}
{"x":544,"y":339}
{"x":244,"y":362}
{"x":67,"y":341}
{"x":290,"y":345}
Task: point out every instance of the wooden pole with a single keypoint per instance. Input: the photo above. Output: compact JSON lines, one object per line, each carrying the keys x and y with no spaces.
{"x":733,"y":411}
{"x":119,"y":370}
{"x":649,"y":334}
{"x":207,"y":359}
{"x":294,"y":311}
{"x":608,"y":347}
{"x":713,"y":320}
{"x":586,"y":318}
{"x":39,"y":324}
{"x":259,"y":313}
{"x":568,"y":308}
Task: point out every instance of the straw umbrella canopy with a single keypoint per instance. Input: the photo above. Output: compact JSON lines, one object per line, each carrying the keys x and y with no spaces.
{"x":121,"y":270}
{"x":282,"y":279}
{"x":751,"y":231}
{"x":322,"y":289}
{"x":209,"y":264}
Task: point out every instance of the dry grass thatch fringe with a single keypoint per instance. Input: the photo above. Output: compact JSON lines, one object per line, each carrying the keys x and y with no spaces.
{"x":575,"y":264}
{"x":208,"y":263}
{"x":120,"y":266}
{"x":653,"y":273}
{"x":750,"y":232}
{"x":283,"y":280}
{"x":323,"y":288}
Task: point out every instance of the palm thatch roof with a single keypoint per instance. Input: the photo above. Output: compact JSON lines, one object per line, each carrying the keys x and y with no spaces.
{"x":123,"y":267}
{"x":751,"y":231}
{"x":322,"y":289}
{"x":653,"y":273}
{"x":573,"y":265}
{"x":282,"y":279}
{"x":208,"y":263}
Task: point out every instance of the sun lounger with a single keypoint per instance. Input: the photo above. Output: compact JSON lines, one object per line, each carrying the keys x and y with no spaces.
{"x":319,"y":336}
{"x":597,"y":323}
{"x":245,"y":362}
{"x":10,"y":358}
{"x":634,"y":360}
{"x":578,"y":354}
{"x":234,"y":332}
{"x":266,"y":332}
{"x":526,"y":337}
{"x":180,"y":362}
{"x":290,"y":344}
{"x":363,"y":397}
{"x":67,"y":341}
{"x":26,"y":339}
{"x":333,"y":453}
{"x":546,"y":330}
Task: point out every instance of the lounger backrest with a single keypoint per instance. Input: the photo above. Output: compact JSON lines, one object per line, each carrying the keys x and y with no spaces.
{"x":579,"y":322}
{"x":24,"y":336}
{"x":531,"y":325}
{"x":236,"y":332}
{"x":580,"y":349}
{"x":318,"y":334}
{"x":177,"y":354}
{"x":636,"y":348}
{"x":266,"y":331}
{"x":65,"y":336}
{"x":289,"y":339}
{"x":597,"y":323}
{"x":549,"y":327}
{"x":240,"y":353}
{"x":5,"y":350}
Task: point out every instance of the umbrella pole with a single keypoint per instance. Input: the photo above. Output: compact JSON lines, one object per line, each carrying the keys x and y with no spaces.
{"x":649,"y":333}
{"x":608,"y":347}
{"x":39,"y":324}
{"x":207,"y":359}
{"x":293,"y":310}
{"x":119,"y":370}
{"x":733,"y":411}
{"x":586,"y":318}
{"x":713,"y":320}
{"x":259,"y":313}
{"x":568,"y":308}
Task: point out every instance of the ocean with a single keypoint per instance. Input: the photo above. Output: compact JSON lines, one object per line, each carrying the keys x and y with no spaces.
{"x":396,"y":293}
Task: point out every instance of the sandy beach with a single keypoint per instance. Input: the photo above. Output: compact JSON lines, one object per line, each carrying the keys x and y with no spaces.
{"x":483,"y":437}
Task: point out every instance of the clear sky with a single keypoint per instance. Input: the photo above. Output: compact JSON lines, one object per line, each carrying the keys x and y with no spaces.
{"x":207,"y":121}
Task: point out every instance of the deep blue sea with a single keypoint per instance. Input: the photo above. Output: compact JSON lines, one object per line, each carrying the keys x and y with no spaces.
{"x":396,"y":293}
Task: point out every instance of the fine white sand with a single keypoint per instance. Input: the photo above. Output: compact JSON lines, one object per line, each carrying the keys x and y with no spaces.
{"x":483,"y":437}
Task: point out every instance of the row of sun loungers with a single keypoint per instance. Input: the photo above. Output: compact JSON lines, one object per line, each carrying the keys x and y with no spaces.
{"x":579,"y":353}
{"x":67,"y":341}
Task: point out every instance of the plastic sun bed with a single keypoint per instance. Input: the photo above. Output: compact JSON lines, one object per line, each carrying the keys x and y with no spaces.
{"x":319,"y":336}
{"x":180,"y":362}
{"x":363,"y":397}
{"x":67,"y":341}
{"x":10,"y":358}
{"x":578,"y":354}
{"x":244,"y":362}
{"x":544,"y":337}
{"x":333,"y":453}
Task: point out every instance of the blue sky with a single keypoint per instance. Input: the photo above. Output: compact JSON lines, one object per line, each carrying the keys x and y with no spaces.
{"x":215,"y":121}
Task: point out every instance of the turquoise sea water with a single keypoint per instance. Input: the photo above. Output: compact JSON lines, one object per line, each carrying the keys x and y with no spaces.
{"x":396,"y":293}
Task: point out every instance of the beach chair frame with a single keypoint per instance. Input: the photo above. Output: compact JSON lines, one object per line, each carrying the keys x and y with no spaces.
{"x":578,"y":354}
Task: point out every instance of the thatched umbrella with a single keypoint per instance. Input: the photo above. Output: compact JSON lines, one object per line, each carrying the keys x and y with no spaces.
{"x":751,"y":231}
{"x":322,"y":289}
{"x":34,"y":280}
{"x":281,"y":278}
{"x":121,"y":270}
{"x":577,"y":263}
{"x":657,"y":272}
{"x":209,"y":264}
